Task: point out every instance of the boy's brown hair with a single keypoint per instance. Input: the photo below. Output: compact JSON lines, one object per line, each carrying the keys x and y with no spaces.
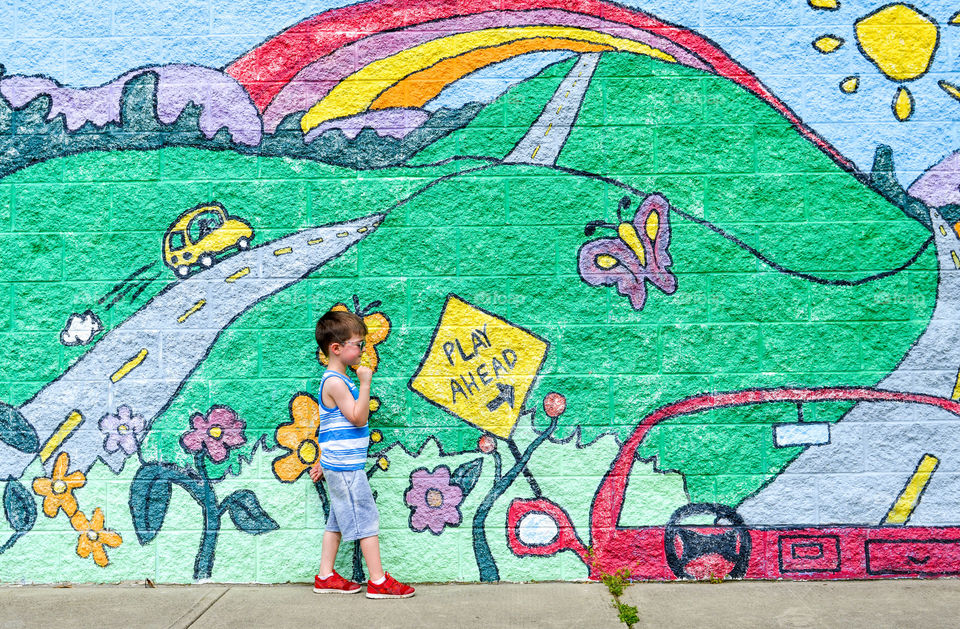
{"x":337,"y":326}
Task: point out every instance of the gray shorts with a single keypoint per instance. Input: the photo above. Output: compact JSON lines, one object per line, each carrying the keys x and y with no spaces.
{"x":353,"y":513}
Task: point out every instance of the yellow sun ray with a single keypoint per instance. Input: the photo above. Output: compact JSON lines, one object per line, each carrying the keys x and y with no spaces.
{"x":825,"y":5}
{"x":828,"y":43}
{"x":950,"y":89}
{"x":902,"y":104}
{"x":850,"y":84}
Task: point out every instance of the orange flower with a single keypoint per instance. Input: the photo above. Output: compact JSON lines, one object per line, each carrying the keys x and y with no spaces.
{"x":57,"y":490}
{"x":93,"y":537}
{"x":378,"y":328}
{"x":299,"y":437}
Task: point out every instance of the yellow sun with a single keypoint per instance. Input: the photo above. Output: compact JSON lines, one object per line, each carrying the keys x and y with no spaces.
{"x":899,"y":40}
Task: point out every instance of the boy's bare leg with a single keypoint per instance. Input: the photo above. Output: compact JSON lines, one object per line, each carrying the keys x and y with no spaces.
{"x":328,"y":552}
{"x":370,"y":547}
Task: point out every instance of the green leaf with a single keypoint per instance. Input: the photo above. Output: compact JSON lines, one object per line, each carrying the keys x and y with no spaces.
{"x":150,"y":499}
{"x":19,"y":507}
{"x":247,"y":514}
{"x":467,"y":475}
{"x":16,"y":431}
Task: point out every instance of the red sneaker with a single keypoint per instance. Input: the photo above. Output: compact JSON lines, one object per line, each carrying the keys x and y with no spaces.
{"x":390,"y":588}
{"x":334,"y":584}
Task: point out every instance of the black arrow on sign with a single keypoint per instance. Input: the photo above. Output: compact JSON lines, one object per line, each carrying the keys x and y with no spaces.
{"x":505,"y":395}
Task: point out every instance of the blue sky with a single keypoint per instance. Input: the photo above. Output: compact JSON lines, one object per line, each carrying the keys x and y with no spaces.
{"x":88,"y":42}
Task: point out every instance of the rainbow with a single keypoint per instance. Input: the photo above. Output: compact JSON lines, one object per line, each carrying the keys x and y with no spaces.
{"x":397,"y":54}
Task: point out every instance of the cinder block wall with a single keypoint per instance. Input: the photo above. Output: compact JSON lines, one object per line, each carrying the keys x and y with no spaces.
{"x":662,"y":289}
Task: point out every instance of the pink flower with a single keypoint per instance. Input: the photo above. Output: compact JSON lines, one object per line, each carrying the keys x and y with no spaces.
{"x":220,"y":431}
{"x":433,"y":500}
{"x":554,"y":404}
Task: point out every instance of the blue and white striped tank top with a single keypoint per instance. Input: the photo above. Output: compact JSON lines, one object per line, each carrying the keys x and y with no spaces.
{"x":343,"y":446}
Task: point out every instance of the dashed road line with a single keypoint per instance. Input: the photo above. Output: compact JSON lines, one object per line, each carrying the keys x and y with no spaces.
{"x":315,"y":241}
{"x":129,"y":366}
{"x":283,"y":251}
{"x":70,"y":424}
{"x":956,"y":260}
{"x":343,"y":234}
{"x":535,"y":152}
{"x":909,"y":498}
{"x":233,"y":278}
{"x":194,"y":308}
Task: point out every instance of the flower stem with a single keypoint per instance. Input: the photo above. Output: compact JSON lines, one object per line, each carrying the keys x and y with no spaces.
{"x":7,"y":545}
{"x":481,"y":549}
{"x":203,"y":566}
{"x":324,"y":501}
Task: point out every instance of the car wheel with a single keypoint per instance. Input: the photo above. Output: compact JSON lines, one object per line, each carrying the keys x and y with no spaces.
{"x":183,"y":271}
{"x":206,"y":261}
{"x":243,"y":244}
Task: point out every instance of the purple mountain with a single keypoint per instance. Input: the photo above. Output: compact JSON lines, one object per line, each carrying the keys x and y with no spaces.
{"x":223,"y":101}
{"x":940,"y":184}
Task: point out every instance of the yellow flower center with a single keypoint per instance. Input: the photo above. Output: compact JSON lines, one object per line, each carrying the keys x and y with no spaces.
{"x":216,"y":432}
{"x":92,"y":536}
{"x":434,"y":498}
{"x":376,"y":436}
{"x":123,"y":428}
{"x":383,"y":462}
{"x":307,"y":452}
{"x":59,"y":487}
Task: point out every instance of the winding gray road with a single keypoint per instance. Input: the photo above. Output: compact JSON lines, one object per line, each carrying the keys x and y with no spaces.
{"x":144,"y":361}
{"x":545,"y":139}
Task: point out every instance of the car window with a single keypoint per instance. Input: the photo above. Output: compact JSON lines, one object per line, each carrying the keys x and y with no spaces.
{"x":176,"y":241}
{"x":203,"y":225}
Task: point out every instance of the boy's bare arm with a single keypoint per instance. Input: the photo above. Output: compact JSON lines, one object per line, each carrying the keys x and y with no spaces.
{"x":355,"y":411}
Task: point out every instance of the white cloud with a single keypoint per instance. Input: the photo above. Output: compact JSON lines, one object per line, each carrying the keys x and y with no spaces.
{"x":81,"y":328}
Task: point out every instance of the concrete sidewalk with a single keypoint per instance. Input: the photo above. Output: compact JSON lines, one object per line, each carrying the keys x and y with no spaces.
{"x":852,"y":604}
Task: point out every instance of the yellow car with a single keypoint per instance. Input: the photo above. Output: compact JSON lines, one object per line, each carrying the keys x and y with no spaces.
{"x":200,"y":234}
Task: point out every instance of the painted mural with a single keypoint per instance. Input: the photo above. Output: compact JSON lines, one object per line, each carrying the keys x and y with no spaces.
{"x":650,"y":290}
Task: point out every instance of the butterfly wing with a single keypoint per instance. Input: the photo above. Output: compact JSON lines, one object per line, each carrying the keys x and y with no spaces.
{"x":607,"y":261}
{"x":652,"y":222}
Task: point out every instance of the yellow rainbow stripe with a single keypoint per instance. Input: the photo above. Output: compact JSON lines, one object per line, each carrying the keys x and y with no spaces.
{"x":355,"y":93}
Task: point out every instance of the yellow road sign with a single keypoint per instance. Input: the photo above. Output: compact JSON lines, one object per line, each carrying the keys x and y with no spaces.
{"x":479,"y":367}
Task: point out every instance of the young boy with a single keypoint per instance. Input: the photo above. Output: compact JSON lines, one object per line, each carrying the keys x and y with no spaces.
{"x":344,"y":436}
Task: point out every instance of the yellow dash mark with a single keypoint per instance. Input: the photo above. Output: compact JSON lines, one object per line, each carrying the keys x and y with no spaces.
{"x":943,"y":232}
{"x":129,"y":366}
{"x":950,"y":89}
{"x":827,"y":44}
{"x":910,"y":496}
{"x":283,"y":251}
{"x":547,"y":132}
{"x":955,"y":18}
{"x":66,"y":428}
{"x":343,"y":234}
{"x":315,"y":241}
{"x":559,"y":108}
{"x":829,"y":5}
{"x":535,"y":152}
{"x":567,"y":94}
{"x":575,"y":82}
{"x":361,"y":230}
{"x":956,"y":389}
{"x":233,"y":278}
{"x":956,"y":260}
{"x":195,"y":307}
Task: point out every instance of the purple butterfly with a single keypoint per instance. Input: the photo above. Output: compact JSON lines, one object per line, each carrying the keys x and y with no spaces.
{"x":638,"y":253}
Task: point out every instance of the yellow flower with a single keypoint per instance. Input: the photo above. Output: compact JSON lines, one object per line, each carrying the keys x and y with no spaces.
{"x":299,"y":437}
{"x":93,"y":537}
{"x":383,"y":462}
{"x":57,"y":490}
